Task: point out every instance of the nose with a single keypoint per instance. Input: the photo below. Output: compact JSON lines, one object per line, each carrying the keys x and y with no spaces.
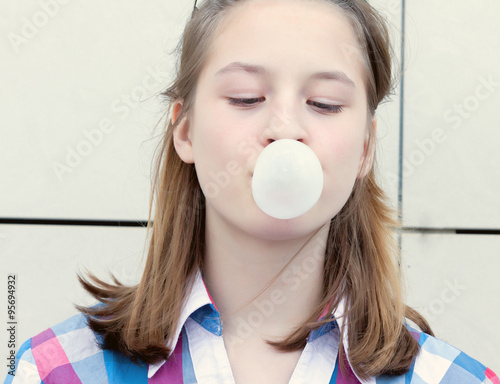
{"x":283,"y":124}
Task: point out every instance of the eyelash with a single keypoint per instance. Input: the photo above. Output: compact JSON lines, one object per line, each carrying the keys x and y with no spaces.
{"x":251,"y":101}
{"x":327,"y":107}
{"x":244,"y":102}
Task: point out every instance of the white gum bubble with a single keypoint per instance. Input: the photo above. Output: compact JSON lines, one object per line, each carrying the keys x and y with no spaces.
{"x":287,"y":179}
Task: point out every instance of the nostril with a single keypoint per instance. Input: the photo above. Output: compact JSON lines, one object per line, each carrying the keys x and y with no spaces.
{"x":269,"y":141}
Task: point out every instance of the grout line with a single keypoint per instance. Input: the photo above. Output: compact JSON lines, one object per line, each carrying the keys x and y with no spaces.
{"x":131,"y":223}
{"x":454,"y":231}
{"x":478,"y":231}
{"x":96,"y":223}
{"x":401,"y":118}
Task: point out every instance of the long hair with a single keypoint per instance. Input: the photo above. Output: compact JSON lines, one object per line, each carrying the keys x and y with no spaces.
{"x":360,"y":257}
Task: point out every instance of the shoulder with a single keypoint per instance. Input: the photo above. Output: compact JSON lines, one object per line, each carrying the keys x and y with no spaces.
{"x":440,"y":362}
{"x":65,"y":352}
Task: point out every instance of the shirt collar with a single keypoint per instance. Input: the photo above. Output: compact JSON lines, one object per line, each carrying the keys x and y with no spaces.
{"x":200,"y":307}
{"x":198,"y":298}
{"x":340,"y":317}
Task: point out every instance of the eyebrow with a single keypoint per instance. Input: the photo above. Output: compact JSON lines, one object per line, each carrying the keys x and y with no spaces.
{"x":237,"y":66}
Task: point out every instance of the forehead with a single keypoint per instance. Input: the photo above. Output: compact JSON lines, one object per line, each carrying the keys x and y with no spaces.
{"x":287,"y":34}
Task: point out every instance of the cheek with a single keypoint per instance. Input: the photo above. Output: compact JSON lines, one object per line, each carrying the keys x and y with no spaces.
{"x":347,"y":153}
{"x":209,"y":135}
{"x":341,"y":152}
{"x":340,"y":163}
{"x":217,"y":161}
{"x":210,"y":152}
{"x":222,"y":137}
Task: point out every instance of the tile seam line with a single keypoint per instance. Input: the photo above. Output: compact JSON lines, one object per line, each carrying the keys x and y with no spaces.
{"x":73,"y":222}
{"x":401,"y":118}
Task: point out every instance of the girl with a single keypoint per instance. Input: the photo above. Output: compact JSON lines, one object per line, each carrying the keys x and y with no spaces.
{"x":229,"y":293}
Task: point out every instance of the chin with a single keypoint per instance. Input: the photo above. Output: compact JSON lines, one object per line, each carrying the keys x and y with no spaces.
{"x":270,"y":228}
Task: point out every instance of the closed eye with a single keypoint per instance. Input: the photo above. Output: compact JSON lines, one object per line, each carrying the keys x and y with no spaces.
{"x":326,"y":107}
{"x":248,"y":102}
{"x":245,"y":102}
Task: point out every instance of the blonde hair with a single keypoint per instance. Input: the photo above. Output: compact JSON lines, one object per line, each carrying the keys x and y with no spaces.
{"x":360,"y":259}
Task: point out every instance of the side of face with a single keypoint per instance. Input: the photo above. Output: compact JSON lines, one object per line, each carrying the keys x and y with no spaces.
{"x":295,"y":77}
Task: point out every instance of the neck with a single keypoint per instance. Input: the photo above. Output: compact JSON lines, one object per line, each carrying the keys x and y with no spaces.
{"x":263,"y":288}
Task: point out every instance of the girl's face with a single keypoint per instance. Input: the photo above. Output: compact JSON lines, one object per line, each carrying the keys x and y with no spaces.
{"x":277,"y":69}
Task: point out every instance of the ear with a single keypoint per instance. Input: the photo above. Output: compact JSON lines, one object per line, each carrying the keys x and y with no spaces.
{"x":182,"y":134}
{"x":366,"y":160}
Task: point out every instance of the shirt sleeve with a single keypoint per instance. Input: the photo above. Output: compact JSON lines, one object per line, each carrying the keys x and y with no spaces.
{"x":440,"y":362}
{"x":491,"y":377}
{"x":26,"y":371}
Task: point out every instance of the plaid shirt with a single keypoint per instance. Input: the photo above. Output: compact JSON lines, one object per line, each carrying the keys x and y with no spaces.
{"x":68,"y":353}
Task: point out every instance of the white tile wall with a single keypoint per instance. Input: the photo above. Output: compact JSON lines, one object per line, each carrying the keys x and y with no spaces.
{"x":451,"y":177}
{"x":452,"y":115}
{"x":78,"y":104}
{"x":453,"y":281}
{"x":388,"y":117}
{"x":46,"y":260}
